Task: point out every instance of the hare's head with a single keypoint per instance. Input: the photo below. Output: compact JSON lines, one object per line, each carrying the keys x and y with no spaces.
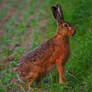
{"x":64,"y":28}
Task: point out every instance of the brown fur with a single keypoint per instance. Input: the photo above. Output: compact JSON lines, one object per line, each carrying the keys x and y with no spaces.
{"x":56,"y":50}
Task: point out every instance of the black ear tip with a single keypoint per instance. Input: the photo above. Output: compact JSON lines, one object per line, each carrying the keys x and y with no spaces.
{"x":58,"y":5}
{"x":53,"y":8}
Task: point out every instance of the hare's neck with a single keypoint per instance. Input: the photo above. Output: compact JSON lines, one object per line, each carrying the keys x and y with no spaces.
{"x":65,"y":39}
{"x":62,"y":40}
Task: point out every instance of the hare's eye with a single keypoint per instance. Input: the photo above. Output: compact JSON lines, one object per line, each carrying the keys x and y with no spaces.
{"x":65,"y":25}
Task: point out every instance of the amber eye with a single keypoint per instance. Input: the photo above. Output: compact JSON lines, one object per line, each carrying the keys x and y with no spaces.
{"x":65,"y":25}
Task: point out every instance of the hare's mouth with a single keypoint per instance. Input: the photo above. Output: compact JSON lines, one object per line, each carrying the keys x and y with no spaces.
{"x":74,"y":33}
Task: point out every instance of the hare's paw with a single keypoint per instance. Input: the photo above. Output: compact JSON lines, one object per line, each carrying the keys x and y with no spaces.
{"x":30,"y":90}
{"x":62,"y":81}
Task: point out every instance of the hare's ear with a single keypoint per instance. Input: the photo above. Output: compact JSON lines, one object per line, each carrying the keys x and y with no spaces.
{"x":54,"y":11}
{"x":60,"y":13}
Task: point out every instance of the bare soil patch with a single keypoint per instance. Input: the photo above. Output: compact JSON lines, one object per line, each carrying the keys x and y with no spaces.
{"x":2,"y":4}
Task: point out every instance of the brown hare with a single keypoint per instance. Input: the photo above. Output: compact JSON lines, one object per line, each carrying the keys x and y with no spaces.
{"x":56,"y":50}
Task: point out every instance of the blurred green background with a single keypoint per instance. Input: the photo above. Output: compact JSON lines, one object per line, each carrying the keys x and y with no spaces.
{"x":25,"y":24}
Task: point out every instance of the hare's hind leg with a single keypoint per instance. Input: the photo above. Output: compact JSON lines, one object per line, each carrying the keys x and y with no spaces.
{"x":62,"y":78}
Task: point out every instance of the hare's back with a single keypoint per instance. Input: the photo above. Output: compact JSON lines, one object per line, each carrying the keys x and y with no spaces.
{"x":44,"y":49}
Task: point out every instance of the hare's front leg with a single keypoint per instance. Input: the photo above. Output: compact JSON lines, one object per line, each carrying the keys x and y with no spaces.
{"x":30,"y":80}
{"x":62,"y":78}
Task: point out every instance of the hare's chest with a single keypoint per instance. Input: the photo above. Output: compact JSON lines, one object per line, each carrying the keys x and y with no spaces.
{"x":62,"y":52}
{"x":66,"y":55}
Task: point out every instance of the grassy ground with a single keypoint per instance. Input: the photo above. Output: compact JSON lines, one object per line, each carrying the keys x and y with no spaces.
{"x":24,"y":24}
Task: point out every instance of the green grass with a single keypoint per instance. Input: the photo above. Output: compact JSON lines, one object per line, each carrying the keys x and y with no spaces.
{"x":79,"y":66}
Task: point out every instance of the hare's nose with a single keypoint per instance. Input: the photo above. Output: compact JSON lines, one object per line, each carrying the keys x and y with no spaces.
{"x":74,"y":31}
